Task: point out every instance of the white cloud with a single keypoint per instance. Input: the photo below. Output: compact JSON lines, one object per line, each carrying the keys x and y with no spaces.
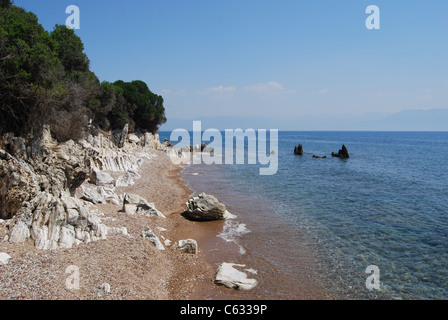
{"x":270,"y":88}
{"x":323,"y":91}
{"x":218,"y":90}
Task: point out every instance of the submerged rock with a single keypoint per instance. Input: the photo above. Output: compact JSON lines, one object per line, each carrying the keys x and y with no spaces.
{"x":206,"y":208}
{"x":230,"y":277}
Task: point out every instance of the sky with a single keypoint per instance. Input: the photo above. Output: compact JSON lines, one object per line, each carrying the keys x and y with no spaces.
{"x":282,"y":59}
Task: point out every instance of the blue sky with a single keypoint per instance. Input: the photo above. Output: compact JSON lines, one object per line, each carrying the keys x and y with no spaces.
{"x":281,"y":59}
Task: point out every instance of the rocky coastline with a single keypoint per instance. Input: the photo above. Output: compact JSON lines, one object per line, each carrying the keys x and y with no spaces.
{"x":107,"y":211}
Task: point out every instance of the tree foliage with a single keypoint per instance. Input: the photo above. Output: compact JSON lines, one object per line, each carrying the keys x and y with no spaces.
{"x":45,"y":78}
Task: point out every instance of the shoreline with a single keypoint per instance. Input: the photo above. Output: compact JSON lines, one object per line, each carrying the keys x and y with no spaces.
{"x":132,"y":265}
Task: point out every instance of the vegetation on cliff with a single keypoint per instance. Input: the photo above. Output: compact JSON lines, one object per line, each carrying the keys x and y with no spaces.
{"x":45,"y":78}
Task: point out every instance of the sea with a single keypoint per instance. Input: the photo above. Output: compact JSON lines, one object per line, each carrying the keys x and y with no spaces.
{"x":373,"y":226}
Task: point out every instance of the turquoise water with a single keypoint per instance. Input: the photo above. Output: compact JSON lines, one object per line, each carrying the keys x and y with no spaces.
{"x":386,"y":206}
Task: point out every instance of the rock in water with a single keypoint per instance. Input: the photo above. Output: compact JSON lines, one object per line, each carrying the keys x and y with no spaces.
{"x":298,"y":150}
{"x":206,"y":208}
{"x":342,"y":153}
{"x":230,"y":277}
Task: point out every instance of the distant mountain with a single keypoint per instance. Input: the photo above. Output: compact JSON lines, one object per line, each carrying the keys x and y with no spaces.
{"x":407,"y":120}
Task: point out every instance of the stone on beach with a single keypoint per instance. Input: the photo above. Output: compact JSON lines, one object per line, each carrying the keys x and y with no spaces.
{"x":187,"y":246}
{"x":101,"y":178}
{"x":207,"y":208}
{"x":103,"y":289}
{"x":133,"y":203}
{"x":127,"y":179}
{"x":4,"y":258}
{"x":149,"y":234}
{"x":230,"y":277}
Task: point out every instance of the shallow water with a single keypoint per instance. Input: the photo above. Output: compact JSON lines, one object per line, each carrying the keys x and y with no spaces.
{"x":327,"y":220}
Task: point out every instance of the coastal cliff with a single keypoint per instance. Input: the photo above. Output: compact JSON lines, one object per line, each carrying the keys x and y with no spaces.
{"x":40,"y":180}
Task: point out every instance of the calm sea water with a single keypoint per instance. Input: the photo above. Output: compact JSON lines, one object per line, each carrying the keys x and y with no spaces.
{"x":385,"y":206}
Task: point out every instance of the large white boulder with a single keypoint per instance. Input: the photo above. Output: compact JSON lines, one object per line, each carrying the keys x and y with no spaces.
{"x":230,"y":277}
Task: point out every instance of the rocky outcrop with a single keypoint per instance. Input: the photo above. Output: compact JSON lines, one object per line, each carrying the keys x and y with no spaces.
{"x":231,"y":277}
{"x":41,"y":180}
{"x":298,"y":150}
{"x":342,"y":153}
{"x":206,"y":208}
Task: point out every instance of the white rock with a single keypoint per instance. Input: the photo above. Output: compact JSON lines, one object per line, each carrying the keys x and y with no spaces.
{"x":230,"y":277}
{"x":187,"y":246}
{"x":103,"y":289}
{"x":19,"y":233}
{"x":4,"y":258}
{"x":148,"y":234}
{"x":132,"y":138}
{"x":133,"y":204}
{"x":125,"y":180}
{"x":101,"y":178}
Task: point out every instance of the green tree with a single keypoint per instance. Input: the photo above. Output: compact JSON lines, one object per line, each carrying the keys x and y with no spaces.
{"x":28,"y":69}
{"x":142,"y":106}
{"x":69,"y":49}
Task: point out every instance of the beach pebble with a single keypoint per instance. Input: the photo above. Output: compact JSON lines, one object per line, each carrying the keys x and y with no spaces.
{"x":4,"y":258}
{"x":103,"y":289}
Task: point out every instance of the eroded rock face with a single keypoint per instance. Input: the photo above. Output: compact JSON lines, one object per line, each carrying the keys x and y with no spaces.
{"x":39,"y":179}
{"x":206,"y":208}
